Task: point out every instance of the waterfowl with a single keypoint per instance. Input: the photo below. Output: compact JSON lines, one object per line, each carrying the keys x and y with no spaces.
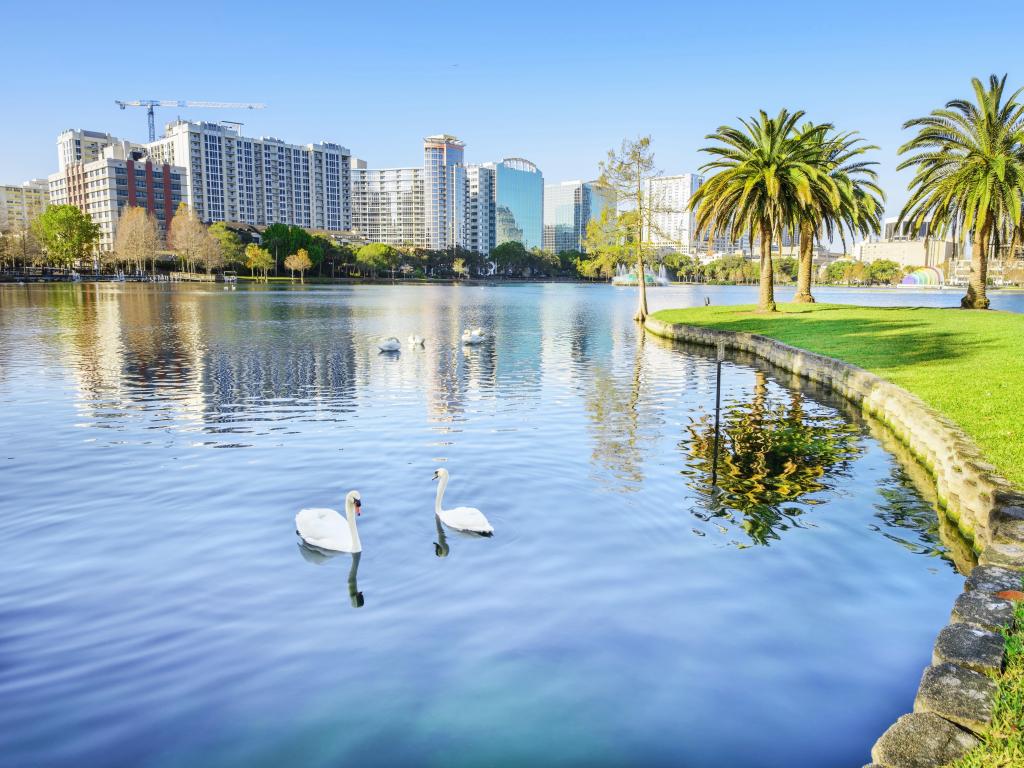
{"x":326,"y":529}
{"x":390,"y":344}
{"x":468,"y":519}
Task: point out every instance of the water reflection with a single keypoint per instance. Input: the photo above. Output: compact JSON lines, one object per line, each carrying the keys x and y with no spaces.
{"x":771,"y":453}
{"x":318,"y":556}
{"x":441,"y":545}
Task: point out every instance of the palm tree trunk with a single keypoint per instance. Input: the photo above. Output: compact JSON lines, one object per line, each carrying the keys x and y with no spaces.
{"x":766,"y":299}
{"x":806,"y":267}
{"x":976,"y":297}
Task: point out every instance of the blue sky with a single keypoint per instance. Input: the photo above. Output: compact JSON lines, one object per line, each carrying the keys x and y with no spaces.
{"x":554,"y":82}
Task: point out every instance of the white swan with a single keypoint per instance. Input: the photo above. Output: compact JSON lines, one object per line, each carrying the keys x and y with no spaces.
{"x":461,"y":518}
{"x":326,"y":529}
{"x":390,"y":344}
{"x":478,"y":331}
{"x":416,"y":341}
{"x":471,"y":337}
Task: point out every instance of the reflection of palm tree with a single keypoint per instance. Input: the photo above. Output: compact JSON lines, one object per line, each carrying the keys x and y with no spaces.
{"x":770,"y":454}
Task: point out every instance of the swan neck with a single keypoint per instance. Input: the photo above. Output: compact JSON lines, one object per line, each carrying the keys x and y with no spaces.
{"x":441,"y":485}
{"x":350,"y":514}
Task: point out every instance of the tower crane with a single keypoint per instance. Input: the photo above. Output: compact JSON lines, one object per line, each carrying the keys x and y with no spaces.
{"x":150,"y":103}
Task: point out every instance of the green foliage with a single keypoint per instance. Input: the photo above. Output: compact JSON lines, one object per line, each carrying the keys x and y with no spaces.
{"x":67,"y":235}
{"x":258,"y":259}
{"x":605,"y":243}
{"x":965,"y":364}
{"x":1003,"y":745}
{"x":230,"y":243}
{"x":968,"y":160}
{"x":768,"y":455}
{"x":511,"y":258}
{"x":378,"y":256}
{"x":884,"y":272}
{"x":786,"y":268}
{"x":767,"y":175}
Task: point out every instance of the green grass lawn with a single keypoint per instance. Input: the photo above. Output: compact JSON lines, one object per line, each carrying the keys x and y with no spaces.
{"x":967,"y":364}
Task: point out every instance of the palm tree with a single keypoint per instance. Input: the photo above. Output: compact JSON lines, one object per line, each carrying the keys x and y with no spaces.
{"x":766,"y":175}
{"x":969,"y":161}
{"x":857,"y":208}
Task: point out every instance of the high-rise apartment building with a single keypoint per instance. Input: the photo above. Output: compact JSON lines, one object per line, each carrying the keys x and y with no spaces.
{"x":261,"y":181}
{"x":388,"y":205}
{"x":447,"y":204}
{"x":568,"y":208}
{"x":20,"y":203}
{"x":444,"y":181}
{"x":77,"y":146}
{"x":480,"y":220}
{"x":121,"y":176}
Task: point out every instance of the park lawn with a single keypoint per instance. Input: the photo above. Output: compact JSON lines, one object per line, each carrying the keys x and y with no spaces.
{"x":967,"y":364}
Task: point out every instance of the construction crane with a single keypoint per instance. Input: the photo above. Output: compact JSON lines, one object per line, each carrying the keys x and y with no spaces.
{"x":150,"y":103}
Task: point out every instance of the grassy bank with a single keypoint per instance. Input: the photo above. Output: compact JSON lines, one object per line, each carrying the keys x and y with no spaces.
{"x":1003,"y":745}
{"x":967,"y":364}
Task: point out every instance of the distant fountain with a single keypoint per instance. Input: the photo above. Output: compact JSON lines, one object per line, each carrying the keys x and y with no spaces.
{"x":625,"y":276}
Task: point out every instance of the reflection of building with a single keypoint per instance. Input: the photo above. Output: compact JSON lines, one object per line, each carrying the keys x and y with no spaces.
{"x":121,"y":176}
{"x":568,"y":208}
{"x":907,"y":246}
{"x":19,"y":204}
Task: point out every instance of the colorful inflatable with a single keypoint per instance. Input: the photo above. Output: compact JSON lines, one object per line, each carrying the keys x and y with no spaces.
{"x":926,"y":277}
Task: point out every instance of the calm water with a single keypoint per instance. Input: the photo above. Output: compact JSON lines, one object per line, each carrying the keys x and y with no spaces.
{"x":156,"y":610}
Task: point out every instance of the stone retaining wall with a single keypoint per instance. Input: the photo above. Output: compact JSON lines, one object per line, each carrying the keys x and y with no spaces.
{"x":956,"y":696}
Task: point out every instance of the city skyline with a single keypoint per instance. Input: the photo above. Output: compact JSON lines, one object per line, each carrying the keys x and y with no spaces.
{"x":511,"y":100}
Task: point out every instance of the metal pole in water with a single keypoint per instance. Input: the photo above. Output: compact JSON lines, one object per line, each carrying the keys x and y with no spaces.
{"x":718,"y":410}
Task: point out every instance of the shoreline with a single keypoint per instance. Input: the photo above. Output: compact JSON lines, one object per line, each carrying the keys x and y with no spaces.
{"x":956,"y":704}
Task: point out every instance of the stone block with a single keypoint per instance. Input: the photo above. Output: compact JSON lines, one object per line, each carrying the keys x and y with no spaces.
{"x":991,"y":578}
{"x":970,"y":647}
{"x":957,"y":694}
{"x":921,"y":740}
{"x":1009,"y":556}
{"x":984,"y":609}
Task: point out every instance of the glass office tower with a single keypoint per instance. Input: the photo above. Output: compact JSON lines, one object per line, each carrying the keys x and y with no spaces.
{"x":519,"y":202}
{"x":568,"y":208}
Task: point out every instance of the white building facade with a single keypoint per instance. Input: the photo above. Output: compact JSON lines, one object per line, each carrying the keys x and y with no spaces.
{"x":21,"y":203}
{"x":907,"y":246}
{"x":259,"y":181}
{"x":388,"y":206}
{"x":122,"y":176}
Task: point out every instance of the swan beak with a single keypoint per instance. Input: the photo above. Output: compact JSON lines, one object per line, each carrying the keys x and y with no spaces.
{"x":359,"y":507}
{"x":434,"y":477}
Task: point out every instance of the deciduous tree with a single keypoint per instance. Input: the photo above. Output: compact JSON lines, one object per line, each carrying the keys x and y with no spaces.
{"x":67,"y":235}
{"x":187,"y":236}
{"x":137,"y":238}
{"x":298,"y":262}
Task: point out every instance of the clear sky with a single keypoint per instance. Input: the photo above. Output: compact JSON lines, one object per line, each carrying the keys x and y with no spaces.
{"x":558,"y":83}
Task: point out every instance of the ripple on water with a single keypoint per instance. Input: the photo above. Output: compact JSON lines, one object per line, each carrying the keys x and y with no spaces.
{"x":639,"y":596}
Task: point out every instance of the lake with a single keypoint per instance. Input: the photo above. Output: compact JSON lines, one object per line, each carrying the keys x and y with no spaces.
{"x":648,"y":598}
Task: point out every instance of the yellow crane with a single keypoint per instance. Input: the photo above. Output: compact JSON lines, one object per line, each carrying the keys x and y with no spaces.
{"x":149,"y":104}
